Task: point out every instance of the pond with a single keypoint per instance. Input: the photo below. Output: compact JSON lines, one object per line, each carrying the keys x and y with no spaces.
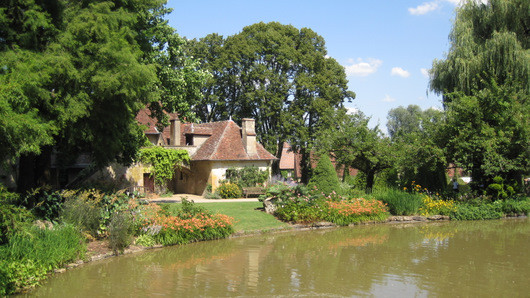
{"x":469,"y":259}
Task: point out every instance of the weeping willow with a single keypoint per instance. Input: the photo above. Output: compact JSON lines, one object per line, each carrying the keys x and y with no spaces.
{"x":488,"y":41}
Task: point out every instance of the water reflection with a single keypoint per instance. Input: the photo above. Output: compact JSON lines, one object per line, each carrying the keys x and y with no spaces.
{"x":445,"y":259}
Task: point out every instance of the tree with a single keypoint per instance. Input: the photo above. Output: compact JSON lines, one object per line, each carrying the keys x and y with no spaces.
{"x":278,"y":75}
{"x":488,"y":41}
{"x":356,"y":145}
{"x":79,"y":88}
{"x":485,"y":83}
{"x":417,"y":143}
{"x":324,"y":176}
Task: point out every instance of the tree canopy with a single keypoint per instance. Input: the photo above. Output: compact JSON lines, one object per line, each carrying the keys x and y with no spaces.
{"x":74,"y":74}
{"x":485,"y":81}
{"x":276,"y":74}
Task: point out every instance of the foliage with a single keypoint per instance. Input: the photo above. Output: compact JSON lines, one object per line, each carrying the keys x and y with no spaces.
{"x":469,"y":212}
{"x":347,"y":212}
{"x":43,"y":203}
{"x":324,"y":176}
{"x":434,"y":206}
{"x":164,"y":161}
{"x":247,"y":176}
{"x":498,"y":190}
{"x":29,"y":255}
{"x":418,"y":142}
{"x":75,"y":74}
{"x":145,"y":240}
{"x":289,"y":88}
{"x":356,"y":145}
{"x":120,"y":231}
{"x":400,"y":202}
{"x":229,"y":191}
{"x":485,"y":83}
{"x":513,"y":207}
{"x":82,"y":213}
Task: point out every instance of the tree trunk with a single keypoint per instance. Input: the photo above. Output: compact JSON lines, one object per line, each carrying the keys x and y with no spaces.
{"x":276,"y":163}
{"x":305,"y":165}
{"x":370,"y":177}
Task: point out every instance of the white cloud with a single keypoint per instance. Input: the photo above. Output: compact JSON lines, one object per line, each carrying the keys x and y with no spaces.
{"x":424,"y":8}
{"x":424,"y":72}
{"x":362,"y":68}
{"x":427,"y":7}
{"x":352,"y":111}
{"x":388,"y":98}
{"x":398,"y":71}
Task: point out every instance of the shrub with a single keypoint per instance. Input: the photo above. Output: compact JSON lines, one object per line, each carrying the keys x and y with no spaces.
{"x":400,"y":202}
{"x":82,"y":213}
{"x":12,"y":220}
{"x":18,"y":275}
{"x":435,"y":206}
{"x":470,"y":212}
{"x":247,"y":176}
{"x":44,"y":204}
{"x":145,"y":240}
{"x":120,"y":231}
{"x":229,"y":191}
{"x":324,"y":176}
{"x":346,"y":212}
{"x":513,"y":206}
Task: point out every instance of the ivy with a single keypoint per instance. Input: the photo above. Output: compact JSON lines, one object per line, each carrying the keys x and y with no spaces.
{"x":164,"y":162}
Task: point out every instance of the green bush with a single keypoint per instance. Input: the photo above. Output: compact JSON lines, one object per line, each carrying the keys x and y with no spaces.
{"x":470,"y":212}
{"x":120,"y":231}
{"x":324,"y":176}
{"x":247,"y":176}
{"x":513,"y":206}
{"x":145,"y":240}
{"x":82,"y":213}
{"x":44,"y":204}
{"x":400,"y":202}
{"x":229,"y":191}
{"x":12,"y":220}
{"x":18,"y":275}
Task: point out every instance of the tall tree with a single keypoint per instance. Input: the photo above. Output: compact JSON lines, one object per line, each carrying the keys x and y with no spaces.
{"x":417,"y":143}
{"x":485,"y":81}
{"x":356,"y":145}
{"x":95,"y":64}
{"x":277,"y":74}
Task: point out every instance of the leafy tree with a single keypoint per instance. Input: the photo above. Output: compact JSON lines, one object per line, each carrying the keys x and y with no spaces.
{"x":416,"y":138}
{"x":488,"y":41}
{"x":485,"y":83}
{"x":74,"y":74}
{"x":324,"y":176}
{"x":356,"y":145}
{"x":278,"y":75}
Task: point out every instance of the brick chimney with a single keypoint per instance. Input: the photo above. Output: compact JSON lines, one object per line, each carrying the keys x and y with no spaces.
{"x":174,"y":132}
{"x":249,"y":135}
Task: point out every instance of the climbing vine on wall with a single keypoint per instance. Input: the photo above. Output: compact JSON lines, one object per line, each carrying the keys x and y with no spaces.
{"x":164,"y":162}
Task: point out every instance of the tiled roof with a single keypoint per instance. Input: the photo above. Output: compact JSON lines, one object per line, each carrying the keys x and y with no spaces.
{"x":224,"y":142}
{"x":144,"y":118}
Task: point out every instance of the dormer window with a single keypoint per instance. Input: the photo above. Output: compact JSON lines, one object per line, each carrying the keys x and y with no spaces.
{"x":189,"y":140}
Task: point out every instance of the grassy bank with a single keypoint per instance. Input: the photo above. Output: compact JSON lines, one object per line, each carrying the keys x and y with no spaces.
{"x":247,"y":218}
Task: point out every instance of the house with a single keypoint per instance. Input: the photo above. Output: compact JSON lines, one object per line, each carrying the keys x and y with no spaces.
{"x":213,"y":148}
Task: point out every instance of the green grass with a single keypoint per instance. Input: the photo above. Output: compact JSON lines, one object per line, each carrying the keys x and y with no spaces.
{"x":247,"y":218}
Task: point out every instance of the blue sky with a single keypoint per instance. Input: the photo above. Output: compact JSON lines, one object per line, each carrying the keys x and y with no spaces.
{"x":385,"y":46}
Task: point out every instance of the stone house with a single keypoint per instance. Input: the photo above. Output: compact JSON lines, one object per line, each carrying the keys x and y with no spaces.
{"x":213,"y":148}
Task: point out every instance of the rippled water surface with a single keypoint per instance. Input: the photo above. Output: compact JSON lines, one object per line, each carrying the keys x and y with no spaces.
{"x":450,"y":259}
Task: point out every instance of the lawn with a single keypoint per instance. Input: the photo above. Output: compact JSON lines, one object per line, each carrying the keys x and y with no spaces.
{"x":247,"y":218}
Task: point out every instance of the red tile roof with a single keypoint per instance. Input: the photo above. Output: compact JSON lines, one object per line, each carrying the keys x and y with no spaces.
{"x":225,"y":141}
{"x":287,"y":158}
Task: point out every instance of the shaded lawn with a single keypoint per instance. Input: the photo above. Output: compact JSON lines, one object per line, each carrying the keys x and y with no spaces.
{"x":246,"y":217}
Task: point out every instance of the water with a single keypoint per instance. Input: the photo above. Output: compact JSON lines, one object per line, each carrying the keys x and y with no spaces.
{"x":450,"y":259}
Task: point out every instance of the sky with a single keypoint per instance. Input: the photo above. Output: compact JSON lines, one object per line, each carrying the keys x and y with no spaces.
{"x":386,"y":47}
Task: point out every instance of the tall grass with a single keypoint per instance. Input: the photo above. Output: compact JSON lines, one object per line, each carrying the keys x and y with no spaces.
{"x":33,"y":252}
{"x":399,"y":202}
